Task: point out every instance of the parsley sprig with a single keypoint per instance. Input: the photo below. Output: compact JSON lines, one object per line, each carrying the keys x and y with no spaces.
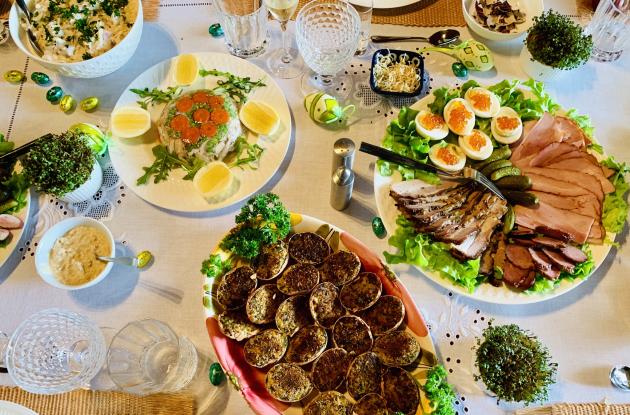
{"x":156,"y":95}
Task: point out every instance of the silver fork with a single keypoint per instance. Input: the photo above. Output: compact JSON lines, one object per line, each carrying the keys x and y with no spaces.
{"x":466,"y":174}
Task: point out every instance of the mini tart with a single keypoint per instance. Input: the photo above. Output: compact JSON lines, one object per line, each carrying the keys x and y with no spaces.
{"x":397,"y":348}
{"x":307,"y":345}
{"x":235,"y":287}
{"x":293,"y":314}
{"x":325,"y":305}
{"x":361,"y":293}
{"x":288,"y":383}
{"x":308,"y":248}
{"x":386,"y":315}
{"x":271,"y":261}
{"x":371,"y":404}
{"x":364,"y":375}
{"x":329,"y":370}
{"x":401,"y":391}
{"x":265,"y":348}
{"x":329,"y":403}
{"x":352,"y":334}
{"x":340,"y":268}
{"x":298,"y":279}
{"x":263,"y":304}
{"x":236,"y":325}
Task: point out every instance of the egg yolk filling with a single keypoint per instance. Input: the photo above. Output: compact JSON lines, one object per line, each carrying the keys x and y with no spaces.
{"x":476,"y":141}
{"x":459,"y":116}
{"x":507,"y":123}
{"x":432,"y":121}
{"x":447,"y":156}
{"x":480,"y":101}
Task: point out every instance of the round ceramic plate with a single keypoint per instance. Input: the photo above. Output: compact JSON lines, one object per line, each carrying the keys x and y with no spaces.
{"x":485,"y":292}
{"x":10,"y":408}
{"x":251,"y":381}
{"x":5,"y":252}
{"x":385,"y":4}
{"x":129,"y":155}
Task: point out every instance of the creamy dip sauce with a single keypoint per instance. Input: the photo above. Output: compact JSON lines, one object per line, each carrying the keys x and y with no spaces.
{"x":73,"y":256}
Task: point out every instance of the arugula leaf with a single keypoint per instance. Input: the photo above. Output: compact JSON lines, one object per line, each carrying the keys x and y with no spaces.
{"x":245,"y":154}
{"x":165,"y":161}
{"x":616,"y":208}
{"x":421,"y":250}
{"x":215,"y":266}
{"x":234,"y":86}
{"x":156,"y":95}
{"x":439,"y":392}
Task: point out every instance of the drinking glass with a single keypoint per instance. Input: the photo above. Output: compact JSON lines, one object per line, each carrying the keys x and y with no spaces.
{"x":54,"y":351}
{"x":283,"y":63}
{"x":610,"y":28}
{"x":364,"y":9}
{"x":146,"y":357}
{"x":244,"y":23}
{"x":327,"y":33}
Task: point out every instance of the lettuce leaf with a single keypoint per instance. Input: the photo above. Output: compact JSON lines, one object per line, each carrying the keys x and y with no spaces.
{"x":615,"y":210}
{"x":583,"y":270}
{"x":439,"y":392}
{"x":442,"y":97}
{"x":421,"y":250}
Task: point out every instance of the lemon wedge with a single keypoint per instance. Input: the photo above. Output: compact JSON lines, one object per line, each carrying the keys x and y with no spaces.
{"x":186,"y":69}
{"x":259,"y":117}
{"x":128,"y":122}
{"x":215,"y":182}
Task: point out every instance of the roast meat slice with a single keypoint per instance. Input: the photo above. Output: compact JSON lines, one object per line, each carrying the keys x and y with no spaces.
{"x":574,"y":254}
{"x":544,"y":264}
{"x":559,"y":260}
{"x":519,"y":256}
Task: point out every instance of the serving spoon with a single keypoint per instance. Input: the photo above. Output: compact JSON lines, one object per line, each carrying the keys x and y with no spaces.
{"x":31,"y":36}
{"x":439,"y":38}
{"x":139,"y":261}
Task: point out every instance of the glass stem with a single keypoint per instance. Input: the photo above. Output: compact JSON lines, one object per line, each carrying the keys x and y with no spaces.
{"x":286,"y":57}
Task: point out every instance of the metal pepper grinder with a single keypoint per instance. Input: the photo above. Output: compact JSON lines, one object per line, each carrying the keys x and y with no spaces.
{"x":342,"y":176}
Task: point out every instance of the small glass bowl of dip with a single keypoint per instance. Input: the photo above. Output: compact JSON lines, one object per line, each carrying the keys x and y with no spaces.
{"x":46,"y":244}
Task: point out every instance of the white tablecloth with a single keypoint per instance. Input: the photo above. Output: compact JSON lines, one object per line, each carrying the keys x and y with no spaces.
{"x":587,"y":330}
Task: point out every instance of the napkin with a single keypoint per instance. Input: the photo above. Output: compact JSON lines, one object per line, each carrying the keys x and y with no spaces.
{"x":578,"y":409}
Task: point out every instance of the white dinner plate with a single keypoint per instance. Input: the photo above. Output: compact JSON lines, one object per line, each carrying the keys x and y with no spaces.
{"x":10,"y":408}
{"x":485,"y":292}
{"x":385,"y":4}
{"x":129,"y":155}
{"x":23,"y":214}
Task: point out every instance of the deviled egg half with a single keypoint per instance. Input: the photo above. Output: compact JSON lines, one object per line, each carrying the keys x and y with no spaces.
{"x":506,"y":126}
{"x":459,"y":116}
{"x":447,"y":157}
{"x":485,"y":104}
{"x":431,"y":126}
{"x":477,"y":145}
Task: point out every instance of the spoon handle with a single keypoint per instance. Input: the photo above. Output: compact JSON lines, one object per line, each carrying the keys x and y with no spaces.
{"x":122,"y":260}
{"x":22,"y":5}
{"x":383,"y":39}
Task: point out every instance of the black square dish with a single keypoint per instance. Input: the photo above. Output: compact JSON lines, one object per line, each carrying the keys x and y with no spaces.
{"x":396,"y":54}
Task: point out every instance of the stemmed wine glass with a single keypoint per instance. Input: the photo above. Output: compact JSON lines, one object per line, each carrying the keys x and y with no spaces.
{"x":327,"y":33}
{"x":283,"y":63}
{"x":54,"y":351}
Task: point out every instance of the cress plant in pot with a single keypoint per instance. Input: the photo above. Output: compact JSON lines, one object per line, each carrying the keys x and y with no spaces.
{"x":64,"y":166}
{"x":554,"y":44}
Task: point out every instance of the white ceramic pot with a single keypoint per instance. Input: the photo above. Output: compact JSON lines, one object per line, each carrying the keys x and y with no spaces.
{"x":536,"y":70}
{"x":87,"y":189}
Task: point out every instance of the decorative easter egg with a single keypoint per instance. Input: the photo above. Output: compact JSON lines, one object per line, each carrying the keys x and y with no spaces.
{"x":14,"y":76}
{"x":216,"y":374}
{"x":325,"y":109}
{"x":215,"y":30}
{"x":54,"y":94}
{"x":378,"y":227}
{"x":67,"y":103}
{"x":89,"y":104}
{"x":475,"y":55}
{"x":40,"y":78}
{"x":459,"y":69}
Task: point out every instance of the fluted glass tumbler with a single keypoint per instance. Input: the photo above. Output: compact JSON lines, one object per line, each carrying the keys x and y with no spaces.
{"x":54,"y":351}
{"x":147,"y":357}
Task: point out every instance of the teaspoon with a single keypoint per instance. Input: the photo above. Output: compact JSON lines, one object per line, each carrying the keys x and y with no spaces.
{"x":439,"y":38}
{"x":139,"y":261}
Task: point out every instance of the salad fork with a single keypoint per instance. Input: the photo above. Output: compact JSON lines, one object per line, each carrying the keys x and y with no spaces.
{"x":466,"y":174}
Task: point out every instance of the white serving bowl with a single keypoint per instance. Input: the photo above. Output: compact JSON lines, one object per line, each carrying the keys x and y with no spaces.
{"x":45,"y":245}
{"x":530,"y":7}
{"x":96,"y":67}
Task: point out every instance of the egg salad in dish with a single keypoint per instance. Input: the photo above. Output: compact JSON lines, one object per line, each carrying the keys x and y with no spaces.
{"x":78,"y":30}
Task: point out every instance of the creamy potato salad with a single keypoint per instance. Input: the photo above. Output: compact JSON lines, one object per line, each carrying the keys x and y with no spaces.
{"x":77,"y":30}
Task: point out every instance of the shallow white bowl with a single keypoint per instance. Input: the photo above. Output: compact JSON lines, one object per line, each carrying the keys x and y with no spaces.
{"x":45,"y":245}
{"x":96,"y":67}
{"x":530,"y":7}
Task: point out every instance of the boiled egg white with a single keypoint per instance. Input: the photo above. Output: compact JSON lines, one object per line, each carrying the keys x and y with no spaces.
{"x":431,"y":126}
{"x":459,"y":116}
{"x":477,"y":145}
{"x":506,"y":126}
{"x":448,"y":157}
{"x":485,"y":104}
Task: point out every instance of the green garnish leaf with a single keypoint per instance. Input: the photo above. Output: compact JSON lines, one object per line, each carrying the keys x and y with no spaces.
{"x":439,"y":392}
{"x":215,"y":266}
{"x":442,"y":97}
{"x":156,"y":95}
{"x":234,"y":86}
{"x":245,"y":154}
{"x":514,"y":364}
{"x":615,"y":210}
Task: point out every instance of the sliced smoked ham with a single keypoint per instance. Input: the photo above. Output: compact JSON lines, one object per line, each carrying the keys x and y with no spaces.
{"x":583,"y":165}
{"x":574,"y":224}
{"x":552,"y":152}
{"x":574,"y":178}
{"x":538,"y":137}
